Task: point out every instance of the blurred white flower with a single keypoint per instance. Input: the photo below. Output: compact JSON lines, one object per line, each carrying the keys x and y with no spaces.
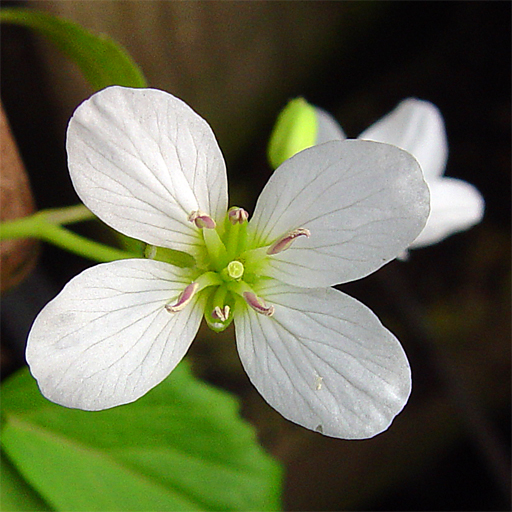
{"x":417,"y":127}
{"x":150,"y":167}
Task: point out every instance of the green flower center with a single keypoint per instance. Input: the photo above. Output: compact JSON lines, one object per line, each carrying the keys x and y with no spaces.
{"x":228,"y":270}
{"x":225,"y":271}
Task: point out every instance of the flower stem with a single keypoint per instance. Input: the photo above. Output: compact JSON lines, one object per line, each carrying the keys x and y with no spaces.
{"x":82,"y":246}
{"x":45,"y":225}
{"x":67,"y":215}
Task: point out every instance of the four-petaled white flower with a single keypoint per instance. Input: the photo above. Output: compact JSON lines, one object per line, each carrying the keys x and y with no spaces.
{"x":417,"y":127}
{"x":150,"y":167}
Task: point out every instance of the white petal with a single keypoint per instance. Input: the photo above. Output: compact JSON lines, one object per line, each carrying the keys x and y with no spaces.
{"x":324,"y":361}
{"x":455,"y":206}
{"x":142,"y":160}
{"x":106,"y":339}
{"x":363,"y":203}
{"x":328,"y":128}
{"x":418,"y":127}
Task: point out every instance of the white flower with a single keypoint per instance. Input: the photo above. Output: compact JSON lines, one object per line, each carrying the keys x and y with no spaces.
{"x":417,"y":127}
{"x":150,"y":167}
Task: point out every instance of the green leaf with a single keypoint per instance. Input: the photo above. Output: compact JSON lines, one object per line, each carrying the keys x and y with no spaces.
{"x":182,"y":446}
{"x":102,"y":61}
{"x":17,"y":495}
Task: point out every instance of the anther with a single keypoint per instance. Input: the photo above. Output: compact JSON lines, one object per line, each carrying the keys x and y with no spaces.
{"x":258,"y":304}
{"x":202,"y":220}
{"x":237,"y":215}
{"x":183,"y":299}
{"x":284,"y":243}
{"x":221,"y":314}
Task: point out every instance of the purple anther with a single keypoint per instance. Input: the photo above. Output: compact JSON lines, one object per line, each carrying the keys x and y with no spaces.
{"x":237,"y":215}
{"x":202,"y":220}
{"x":284,"y":243}
{"x":221,"y":314}
{"x":183,"y":299}
{"x":258,"y":304}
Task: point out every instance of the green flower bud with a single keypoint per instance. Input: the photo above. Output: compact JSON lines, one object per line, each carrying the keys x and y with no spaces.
{"x":295,"y":129}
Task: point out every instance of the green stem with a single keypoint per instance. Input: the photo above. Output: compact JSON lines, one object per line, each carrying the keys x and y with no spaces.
{"x":67,"y":215}
{"x":82,"y":246}
{"x":44,"y":225}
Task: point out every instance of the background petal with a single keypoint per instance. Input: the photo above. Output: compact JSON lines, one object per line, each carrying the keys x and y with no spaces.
{"x":106,"y":339}
{"x":363,"y":202}
{"x":142,"y":160}
{"x":418,"y":127}
{"x":455,"y":205}
{"x":328,"y":128}
{"x":324,"y":361}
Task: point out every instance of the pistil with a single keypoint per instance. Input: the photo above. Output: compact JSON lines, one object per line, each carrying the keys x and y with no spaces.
{"x":235,"y":270}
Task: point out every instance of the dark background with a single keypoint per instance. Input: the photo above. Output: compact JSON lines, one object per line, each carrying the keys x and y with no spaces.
{"x":449,"y":304}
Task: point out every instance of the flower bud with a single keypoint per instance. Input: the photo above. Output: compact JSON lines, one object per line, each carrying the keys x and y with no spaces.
{"x":295,"y":129}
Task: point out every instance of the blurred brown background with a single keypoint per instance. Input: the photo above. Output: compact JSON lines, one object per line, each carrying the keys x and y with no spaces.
{"x":237,"y":63}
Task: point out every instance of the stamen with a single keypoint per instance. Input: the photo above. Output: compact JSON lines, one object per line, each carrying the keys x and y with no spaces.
{"x":284,"y":243}
{"x":237,"y":215}
{"x":258,"y":304}
{"x":221,"y":314}
{"x":183,"y":299}
{"x":202,"y":220}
